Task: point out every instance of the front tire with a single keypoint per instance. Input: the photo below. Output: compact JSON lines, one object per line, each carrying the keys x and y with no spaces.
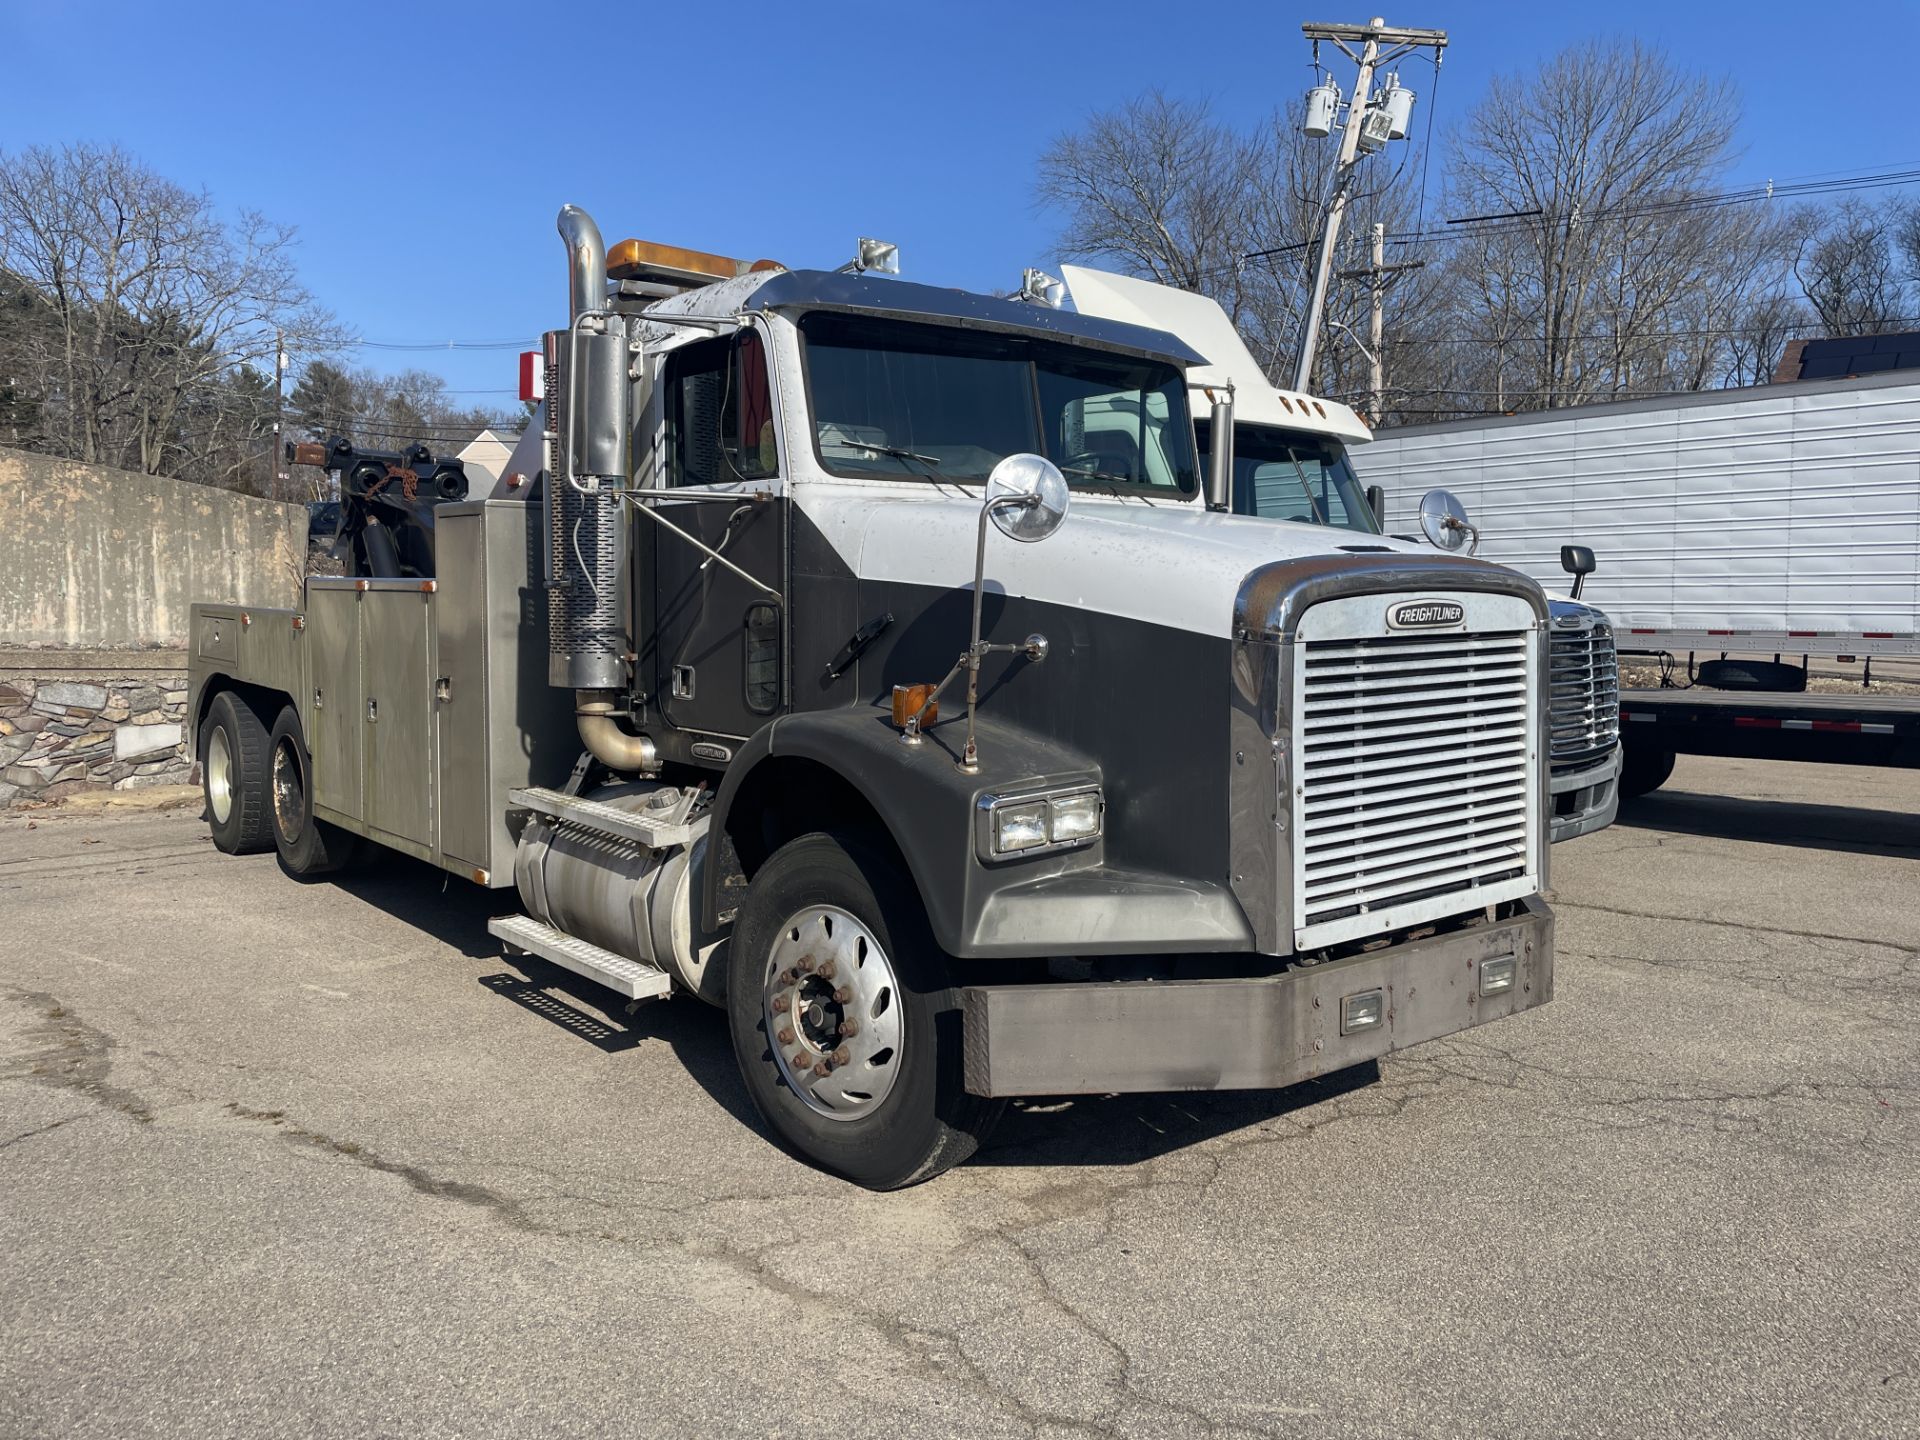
{"x":307,"y":845}
{"x":233,"y":776}
{"x":857,"y":1069}
{"x":1644,"y":770}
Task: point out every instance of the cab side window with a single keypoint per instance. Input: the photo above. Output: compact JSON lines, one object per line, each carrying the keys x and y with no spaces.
{"x":719,"y":413}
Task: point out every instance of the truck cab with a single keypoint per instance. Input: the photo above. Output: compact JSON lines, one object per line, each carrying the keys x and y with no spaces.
{"x":864,"y":658}
{"x":1292,"y":462}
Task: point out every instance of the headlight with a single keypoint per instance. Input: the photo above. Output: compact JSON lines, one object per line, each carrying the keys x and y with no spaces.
{"x":1057,"y":820}
{"x":1019,"y":827}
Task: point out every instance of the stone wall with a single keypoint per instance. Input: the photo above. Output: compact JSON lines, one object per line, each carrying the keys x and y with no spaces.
{"x":91,"y":721}
{"x":97,"y":557}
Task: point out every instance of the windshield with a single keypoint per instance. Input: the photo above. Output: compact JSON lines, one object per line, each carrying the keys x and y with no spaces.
{"x":896,"y":399}
{"x":1286,"y":475}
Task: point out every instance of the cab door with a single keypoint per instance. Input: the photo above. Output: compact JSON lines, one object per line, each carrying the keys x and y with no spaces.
{"x":719,"y":639}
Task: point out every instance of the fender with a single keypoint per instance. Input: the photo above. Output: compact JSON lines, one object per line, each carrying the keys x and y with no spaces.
{"x":1060,"y":903}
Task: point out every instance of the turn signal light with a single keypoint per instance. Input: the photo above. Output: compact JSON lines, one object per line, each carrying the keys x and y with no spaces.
{"x":907,"y":699}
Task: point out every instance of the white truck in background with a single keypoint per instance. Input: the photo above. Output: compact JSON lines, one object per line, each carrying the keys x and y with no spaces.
{"x":1291,"y":463}
{"x":1776,"y":521}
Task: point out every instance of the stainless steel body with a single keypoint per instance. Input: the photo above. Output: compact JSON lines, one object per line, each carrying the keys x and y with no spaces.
{"x":1091,"y":1037}
{"x":423,"y":703}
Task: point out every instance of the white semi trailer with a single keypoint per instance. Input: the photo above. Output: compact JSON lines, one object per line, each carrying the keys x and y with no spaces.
{"x":1774,"y":524}
{"x":1292,"y":461}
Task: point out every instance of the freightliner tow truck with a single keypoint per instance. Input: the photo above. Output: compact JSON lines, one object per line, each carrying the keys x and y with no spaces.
{"x":775,"y":670}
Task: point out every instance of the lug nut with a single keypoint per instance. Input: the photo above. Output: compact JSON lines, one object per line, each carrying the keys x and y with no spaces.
{"x":786,"y":1034}
{"x":805,"y":967}
{"x":825,"y":972}
{"x":823,"y":1069}
{"x":849,"y":1028}
{"x":800,"y":1063}
{"x":843,"y":995}
{"x":840,"y":1056}
{"x":781,"y":1001}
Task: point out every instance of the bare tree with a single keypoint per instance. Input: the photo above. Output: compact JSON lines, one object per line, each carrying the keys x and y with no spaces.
{"x":146,"y":304}
{"x":1607,"y":245}
{"x":1848,"y":268}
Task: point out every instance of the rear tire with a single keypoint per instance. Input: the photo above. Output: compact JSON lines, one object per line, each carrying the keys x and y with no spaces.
{"x":1774,"y":675}
{"x":1644,"y":770}
{"x":233,"y":776}
{"x":890,"y":1109}
{"x":307,"y":845}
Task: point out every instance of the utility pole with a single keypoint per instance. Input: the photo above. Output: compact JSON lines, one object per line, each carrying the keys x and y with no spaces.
{"x":1378,"y":275}
{"x":1364,"y":122}
{"x":276,"y":456}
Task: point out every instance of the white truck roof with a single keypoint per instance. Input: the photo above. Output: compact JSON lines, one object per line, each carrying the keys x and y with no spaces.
{"x":1201,"y":322}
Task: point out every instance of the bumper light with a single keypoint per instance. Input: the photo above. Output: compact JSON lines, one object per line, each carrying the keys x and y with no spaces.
{"x":1364,"y":1011}
{"x":1496,"y":976}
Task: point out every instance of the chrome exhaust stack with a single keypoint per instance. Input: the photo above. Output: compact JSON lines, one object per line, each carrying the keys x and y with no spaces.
{"x":589,"y":431}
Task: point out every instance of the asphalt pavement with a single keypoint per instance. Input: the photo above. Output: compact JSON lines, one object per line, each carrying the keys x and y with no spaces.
{"x":283,"y":1158}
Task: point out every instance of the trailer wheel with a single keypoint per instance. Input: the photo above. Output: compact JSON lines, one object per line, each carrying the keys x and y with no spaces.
{"x":307,"y":845}
{"x":844,"y":1019}
{"x":1643,"y":770}
{"x":1771,"y":675}
{"x":233,"y":775}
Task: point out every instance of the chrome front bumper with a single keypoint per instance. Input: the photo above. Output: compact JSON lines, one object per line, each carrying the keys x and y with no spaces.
{"x":1107,"y":1037}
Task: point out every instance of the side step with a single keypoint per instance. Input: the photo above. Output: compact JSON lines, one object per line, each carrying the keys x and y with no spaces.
{"x":605,"y":819}
{"x":629,"y":977}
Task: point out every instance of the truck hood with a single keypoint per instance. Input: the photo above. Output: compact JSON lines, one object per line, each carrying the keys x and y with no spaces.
{"x":1169,"y":563}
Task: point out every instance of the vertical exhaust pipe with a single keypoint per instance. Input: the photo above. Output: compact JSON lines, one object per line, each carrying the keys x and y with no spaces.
{"x":586,"y":640}
{"x":1220,"y":453}
{"x":586,"y":261}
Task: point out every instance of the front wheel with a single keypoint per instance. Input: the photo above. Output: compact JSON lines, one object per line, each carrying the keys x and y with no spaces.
{"x":844,"y":1020}
{"x":1644,"y":770}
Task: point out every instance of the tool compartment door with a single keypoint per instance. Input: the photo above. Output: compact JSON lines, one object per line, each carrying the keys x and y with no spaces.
{"x":335,"y":711}
{"x":395,"y":643}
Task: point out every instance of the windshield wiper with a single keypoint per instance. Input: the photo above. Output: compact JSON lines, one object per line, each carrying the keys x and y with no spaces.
{"x":1306,"y":488}
{"x":1113,"y":480}
{"x":899,"y":452}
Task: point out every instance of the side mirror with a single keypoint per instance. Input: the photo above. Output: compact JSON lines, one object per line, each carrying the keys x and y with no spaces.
{"x":1443,"y":520}
{"x":1377,"y":502}
{"x":1577,"y":561}
{"x":1220,"y":456}
{"x":1027,"y":498}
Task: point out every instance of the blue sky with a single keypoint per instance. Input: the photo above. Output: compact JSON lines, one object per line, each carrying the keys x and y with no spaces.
{"x":422,"y":149}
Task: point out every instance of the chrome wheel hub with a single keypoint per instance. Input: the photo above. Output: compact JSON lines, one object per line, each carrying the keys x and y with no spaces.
{"x":219,"y":775}
{"x":289,"y":808}
{"x":832,"y":1006}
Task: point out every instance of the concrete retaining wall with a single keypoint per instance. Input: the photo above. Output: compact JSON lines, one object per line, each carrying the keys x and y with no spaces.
{"x":91,"y":720}
{"x":98,"y":557}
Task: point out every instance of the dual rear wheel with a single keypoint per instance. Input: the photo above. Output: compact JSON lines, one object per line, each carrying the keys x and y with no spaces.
{"x":258,"y":783}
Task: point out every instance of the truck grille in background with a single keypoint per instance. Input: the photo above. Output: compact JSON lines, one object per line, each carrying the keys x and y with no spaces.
{"x":1413,"y":770}
{"x":1585,"y":696}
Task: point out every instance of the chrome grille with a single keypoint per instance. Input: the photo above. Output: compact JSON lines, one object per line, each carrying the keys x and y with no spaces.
{"x":1415,"y":778}
{"x":1585,"y":696}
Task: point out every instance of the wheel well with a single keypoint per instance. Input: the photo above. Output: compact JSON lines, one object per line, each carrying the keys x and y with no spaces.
{"x":786,"y":797}
{"x":264,"y":702}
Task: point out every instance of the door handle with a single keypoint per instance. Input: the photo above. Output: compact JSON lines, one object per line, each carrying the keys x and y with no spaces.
{"x":858,"y":645}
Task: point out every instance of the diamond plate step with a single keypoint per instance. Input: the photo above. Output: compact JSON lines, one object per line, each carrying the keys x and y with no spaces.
{"x":605,"y":819}
{"x":631,"y":978}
